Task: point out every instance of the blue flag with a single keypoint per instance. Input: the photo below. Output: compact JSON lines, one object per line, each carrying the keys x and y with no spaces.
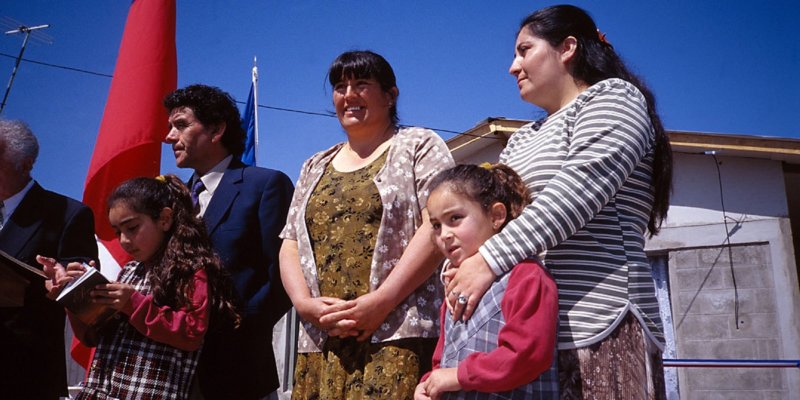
{"x":249,"y":126}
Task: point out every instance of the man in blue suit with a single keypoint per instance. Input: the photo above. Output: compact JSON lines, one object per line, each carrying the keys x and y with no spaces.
{"x":34,"y":221}
{"x":244,"y":209}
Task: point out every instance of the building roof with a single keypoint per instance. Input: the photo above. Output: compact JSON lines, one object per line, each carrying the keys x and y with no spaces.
{"x":492,"y":130}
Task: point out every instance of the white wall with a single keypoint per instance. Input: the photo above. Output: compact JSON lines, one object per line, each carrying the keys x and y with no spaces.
{"x":755,"y":202}
{"x":752,"y":188}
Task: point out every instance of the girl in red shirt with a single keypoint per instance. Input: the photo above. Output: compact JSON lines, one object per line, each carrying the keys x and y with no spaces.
{"x":506,"y":349}
{"x":165,"y":299}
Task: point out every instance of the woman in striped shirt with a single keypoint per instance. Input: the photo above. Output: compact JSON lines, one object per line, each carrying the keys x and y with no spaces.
{"x":599,"y":167}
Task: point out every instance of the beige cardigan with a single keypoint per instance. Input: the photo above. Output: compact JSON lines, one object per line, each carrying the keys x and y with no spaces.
{"x":416,"y":155}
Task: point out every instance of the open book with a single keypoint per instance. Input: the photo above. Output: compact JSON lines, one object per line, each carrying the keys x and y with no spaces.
{"x":15,"y":277}
{"x":20,"y":267}
{"x":76,"y":297}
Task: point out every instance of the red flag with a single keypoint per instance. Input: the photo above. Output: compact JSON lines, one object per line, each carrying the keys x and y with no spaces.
{"x":134,"y":121}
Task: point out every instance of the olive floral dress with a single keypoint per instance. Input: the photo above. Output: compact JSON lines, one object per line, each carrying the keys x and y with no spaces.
{"x":343,"y":217}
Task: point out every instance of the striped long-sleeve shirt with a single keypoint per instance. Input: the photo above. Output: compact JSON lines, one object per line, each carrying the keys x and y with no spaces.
{"x":589,"y":168}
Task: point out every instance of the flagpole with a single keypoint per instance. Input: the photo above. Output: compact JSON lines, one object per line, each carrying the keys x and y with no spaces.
{"x":255,"y":110}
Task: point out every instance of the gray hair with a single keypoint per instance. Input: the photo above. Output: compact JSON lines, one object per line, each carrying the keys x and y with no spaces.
{"x":20,"y":143}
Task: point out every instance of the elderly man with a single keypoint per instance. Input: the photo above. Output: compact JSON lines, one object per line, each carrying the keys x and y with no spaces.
{"x":244,"y":209}
{"x":34,"y":221}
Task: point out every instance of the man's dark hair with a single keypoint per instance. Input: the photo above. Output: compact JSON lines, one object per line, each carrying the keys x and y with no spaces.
{"x":211,"y":106}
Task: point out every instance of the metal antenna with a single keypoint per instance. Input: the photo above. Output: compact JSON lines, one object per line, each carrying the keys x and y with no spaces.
{"x":27,"y":31}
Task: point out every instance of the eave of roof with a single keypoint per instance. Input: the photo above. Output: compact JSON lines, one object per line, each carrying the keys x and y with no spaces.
{"x":763,"y":147}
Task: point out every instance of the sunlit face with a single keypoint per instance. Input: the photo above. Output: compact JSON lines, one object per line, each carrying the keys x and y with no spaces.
{"x":191,"y":141}
{"x":460,"y":225}
{"x":362,"y":104}
{"x":539,"y":68}
{"x":140,"y":235}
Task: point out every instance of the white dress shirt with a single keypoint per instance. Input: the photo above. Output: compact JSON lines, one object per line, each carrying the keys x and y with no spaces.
{"x":10,"y":204}
{"x":210,"y":180}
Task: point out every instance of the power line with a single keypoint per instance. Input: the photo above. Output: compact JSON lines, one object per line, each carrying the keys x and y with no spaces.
{"x":58,"y":66}
{"x":321,"y":114}
{"x":332,"y":115}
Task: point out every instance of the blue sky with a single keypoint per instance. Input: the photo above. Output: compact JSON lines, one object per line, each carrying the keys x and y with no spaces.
{"x":715,"y":66}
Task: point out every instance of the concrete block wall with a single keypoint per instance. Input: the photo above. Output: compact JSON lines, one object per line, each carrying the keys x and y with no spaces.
{"x":703,"y":306}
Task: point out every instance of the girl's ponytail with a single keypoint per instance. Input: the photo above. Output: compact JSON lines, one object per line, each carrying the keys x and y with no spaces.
{"x":486,"y":184}
{"x":515,"y":193}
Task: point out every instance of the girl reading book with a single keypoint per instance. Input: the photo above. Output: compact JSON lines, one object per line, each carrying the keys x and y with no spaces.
{"x":166,"y":298}
{"x":506,"y":349}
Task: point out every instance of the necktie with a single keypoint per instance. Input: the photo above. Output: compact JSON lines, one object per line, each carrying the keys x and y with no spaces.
{"x":197,"y":188}
{"x":2,"y":219}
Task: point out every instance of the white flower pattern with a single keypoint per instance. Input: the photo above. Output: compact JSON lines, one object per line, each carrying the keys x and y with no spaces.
{"x":403,"y":193}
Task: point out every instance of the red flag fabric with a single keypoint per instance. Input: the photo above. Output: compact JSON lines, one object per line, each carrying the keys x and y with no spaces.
{"x":134,"y":120}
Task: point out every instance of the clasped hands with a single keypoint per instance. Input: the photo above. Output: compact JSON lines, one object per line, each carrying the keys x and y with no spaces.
{"x":115,"y":295}
{"x":346,"y":318}
{"x":364,"y":315}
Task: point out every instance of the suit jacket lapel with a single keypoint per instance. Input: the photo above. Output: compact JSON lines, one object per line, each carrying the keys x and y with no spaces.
{"x":24,"y":223}
{"x":224,"y":195}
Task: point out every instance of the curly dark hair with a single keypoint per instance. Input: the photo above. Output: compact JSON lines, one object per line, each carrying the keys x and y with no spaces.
{"x":486,"y":184}
{"x":187,"y":247}
{"x":594,"y":61}
{"x":212,"y":106}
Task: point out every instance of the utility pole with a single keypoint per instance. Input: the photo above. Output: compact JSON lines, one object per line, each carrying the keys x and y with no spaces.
{"x":27,"y":31}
